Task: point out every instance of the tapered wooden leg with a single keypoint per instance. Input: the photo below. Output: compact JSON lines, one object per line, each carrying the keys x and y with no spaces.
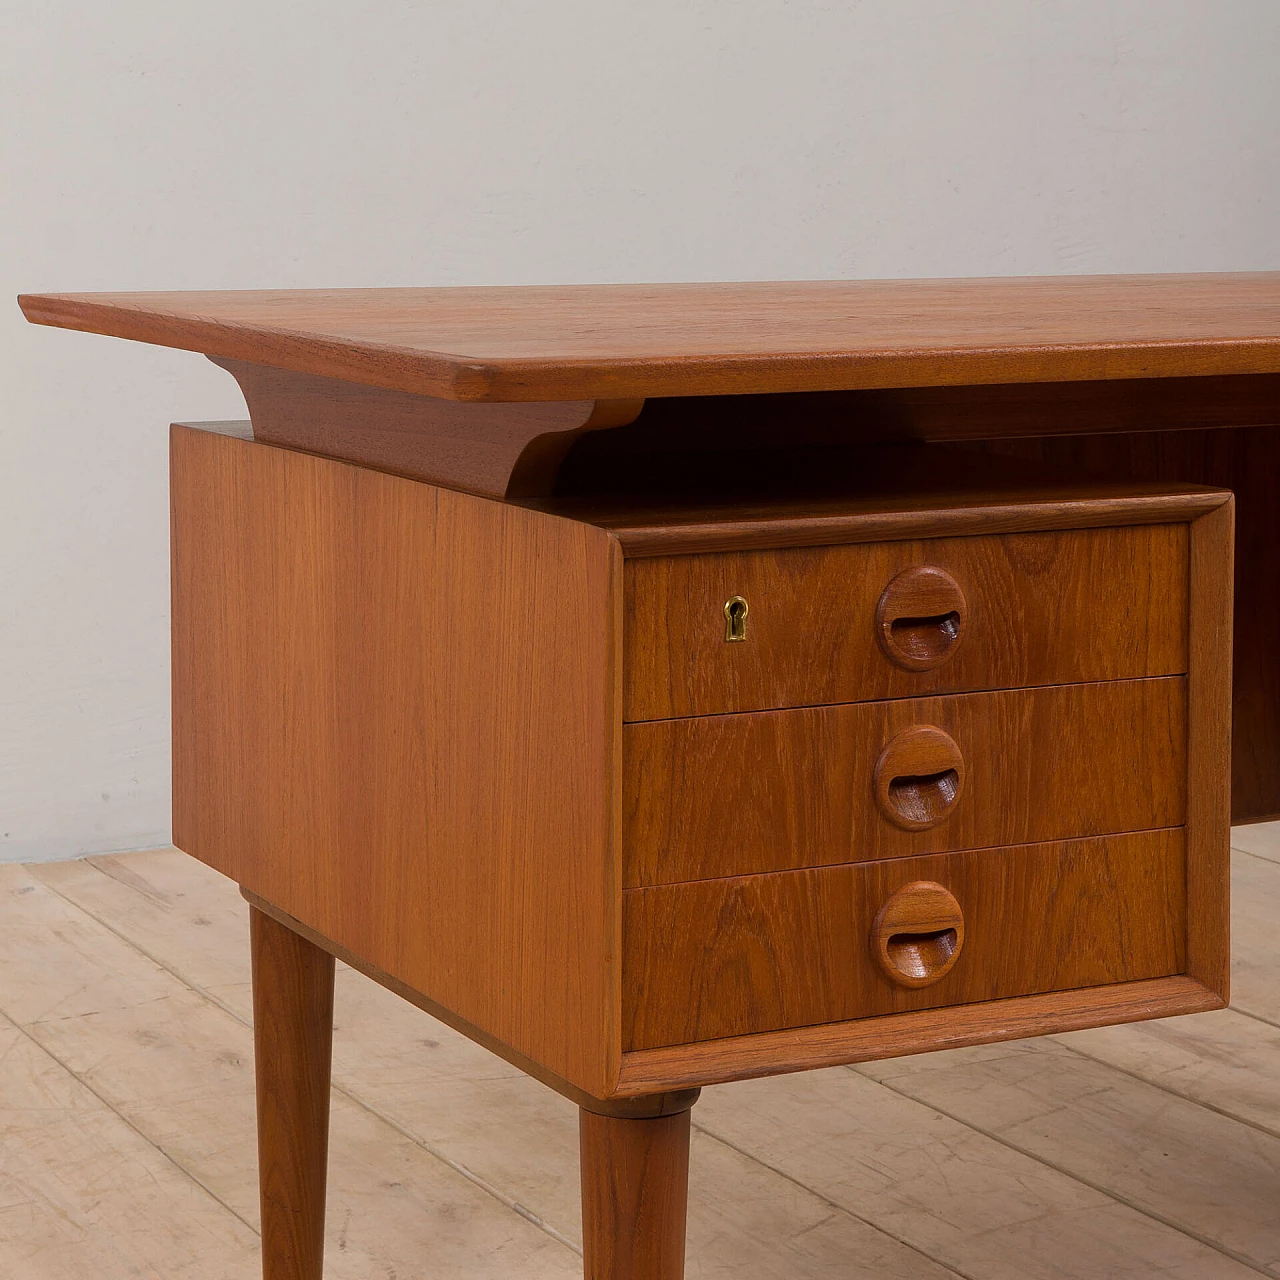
{"x":635,"y":1191}
{"x":293,"y":1041}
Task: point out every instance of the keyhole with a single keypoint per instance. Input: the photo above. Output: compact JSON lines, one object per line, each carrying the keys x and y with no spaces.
{"x":735,"y":619}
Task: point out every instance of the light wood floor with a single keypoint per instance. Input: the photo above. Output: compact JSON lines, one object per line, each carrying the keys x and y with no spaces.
{"x":127,"y":1138}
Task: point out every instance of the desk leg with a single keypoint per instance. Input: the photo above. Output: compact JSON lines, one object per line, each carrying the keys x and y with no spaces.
{"x":635,"y":1191}
{"x":292,"y":1041}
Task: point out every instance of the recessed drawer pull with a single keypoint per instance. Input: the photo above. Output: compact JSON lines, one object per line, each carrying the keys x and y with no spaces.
{"x":921,"y":617}
{"x":919,"y":777}
{"x":917,"y":934}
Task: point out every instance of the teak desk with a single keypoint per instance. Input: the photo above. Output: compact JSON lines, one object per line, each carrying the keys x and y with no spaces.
{"x":666,"y":685}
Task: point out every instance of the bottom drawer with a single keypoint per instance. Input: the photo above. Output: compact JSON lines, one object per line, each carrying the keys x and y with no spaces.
{"x":757,"y":953}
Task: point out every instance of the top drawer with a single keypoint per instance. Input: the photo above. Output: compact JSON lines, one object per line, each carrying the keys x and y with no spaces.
{"x":896,"y":619}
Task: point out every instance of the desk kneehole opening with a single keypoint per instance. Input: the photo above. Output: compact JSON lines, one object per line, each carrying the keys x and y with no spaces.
{"x":918,"y":934}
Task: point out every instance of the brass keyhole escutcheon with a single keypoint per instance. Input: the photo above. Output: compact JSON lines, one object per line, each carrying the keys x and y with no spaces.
{"x":735,"y":619}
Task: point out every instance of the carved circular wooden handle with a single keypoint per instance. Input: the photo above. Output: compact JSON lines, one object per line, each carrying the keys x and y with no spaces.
{"x":920,"y":619}
{"x":917,"y":934}
{"x":919,"y":777}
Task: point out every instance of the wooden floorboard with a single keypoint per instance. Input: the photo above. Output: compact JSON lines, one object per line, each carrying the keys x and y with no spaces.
{"x":1204,"y":1173}
{"x":83,"y":1194}
{"x":1129,"y":1152}
{"x":984,"y":1208}
{"x":1255,"y":942}
{"x":463,"y":1110}
{"x":1262,"y":840}
{"x":178,"y":1070}
{"x":1226,"y":1061}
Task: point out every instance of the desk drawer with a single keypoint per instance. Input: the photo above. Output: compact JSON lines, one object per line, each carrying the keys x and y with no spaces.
{"x":797,"y":948}
{"x":816,"y":786}
{"x":896,"y":619}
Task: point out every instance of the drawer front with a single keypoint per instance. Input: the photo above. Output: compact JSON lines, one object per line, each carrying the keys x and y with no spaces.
{"x":798,"y":948}
{"x":897,"y":619}
{"x":774,"y":790}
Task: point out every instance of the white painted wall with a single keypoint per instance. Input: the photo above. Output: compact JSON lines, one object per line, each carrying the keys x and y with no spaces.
{"x":164,"y":144}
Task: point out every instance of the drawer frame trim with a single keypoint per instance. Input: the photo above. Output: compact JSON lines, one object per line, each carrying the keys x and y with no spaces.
{"x":898,"y":1035}
{"x":1212,"y":569}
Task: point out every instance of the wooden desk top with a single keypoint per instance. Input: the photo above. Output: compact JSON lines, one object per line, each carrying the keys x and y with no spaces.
{"x":617,"y":341}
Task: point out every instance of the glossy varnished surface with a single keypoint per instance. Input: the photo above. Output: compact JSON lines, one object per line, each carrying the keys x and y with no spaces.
{"x":730,"y":957}
{"x":741,"y":794}
{"x":579,"y":342}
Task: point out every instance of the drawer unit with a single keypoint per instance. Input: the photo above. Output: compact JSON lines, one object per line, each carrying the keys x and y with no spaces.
{"x":896,"y":619}
{"x":759,"y":953}
{"x":874,"y":780}
{"x":951,"y":769}
{"x":773,"y":790}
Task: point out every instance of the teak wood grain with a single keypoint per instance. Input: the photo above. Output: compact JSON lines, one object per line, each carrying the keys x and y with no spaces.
{"x":921,"y":618}
{"x":292,"y":1045}
{"x":527,"y":450}
{"x":1042,"y":608}
{"x":673,"y":528}
{"x":896,"y":1035}
{"x":395,"y":719}
{"x":1209,"y":752}
{"x":583,"y":342}
{"x":399,"y":708}
{"x":918,"y":934}
{"x":234,"y":535}
{"x":757,"y":953}
{"x":635,"y":1191}
{"x":647,"y":1106}
{"x":775,"y":790}
{"x":1246,"y":462}
{"x":918,"y":778}
{"x":499,"y":451}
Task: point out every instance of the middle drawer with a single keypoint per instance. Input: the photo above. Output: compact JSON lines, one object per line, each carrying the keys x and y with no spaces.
{"x":818,"y":786}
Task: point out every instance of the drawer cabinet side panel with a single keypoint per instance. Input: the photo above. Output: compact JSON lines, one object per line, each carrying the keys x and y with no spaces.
{"x":396,"y":720}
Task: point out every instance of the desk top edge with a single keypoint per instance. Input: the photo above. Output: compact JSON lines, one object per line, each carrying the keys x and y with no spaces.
{"x":581,"y":342}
